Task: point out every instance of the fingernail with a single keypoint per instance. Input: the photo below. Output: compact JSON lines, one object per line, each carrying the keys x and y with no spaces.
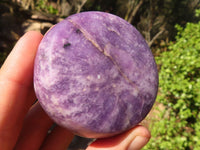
{"x":138,"y":143}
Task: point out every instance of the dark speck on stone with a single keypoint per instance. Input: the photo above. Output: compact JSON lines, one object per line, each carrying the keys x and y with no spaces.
{"x":66,"y":45}
{"x":78,"y":31}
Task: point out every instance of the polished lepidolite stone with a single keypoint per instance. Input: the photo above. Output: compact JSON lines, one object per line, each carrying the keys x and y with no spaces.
{"x":95,"y":75}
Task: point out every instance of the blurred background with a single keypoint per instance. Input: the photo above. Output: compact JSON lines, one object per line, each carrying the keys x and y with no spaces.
{"x":171,"y":29}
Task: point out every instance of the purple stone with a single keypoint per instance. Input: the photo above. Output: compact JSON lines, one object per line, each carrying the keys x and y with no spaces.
{"x":95,"y":75}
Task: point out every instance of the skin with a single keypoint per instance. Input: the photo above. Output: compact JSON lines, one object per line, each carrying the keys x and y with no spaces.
{"x":23,"y":123}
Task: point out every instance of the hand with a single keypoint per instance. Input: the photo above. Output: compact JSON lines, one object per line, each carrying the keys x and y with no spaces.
{"x":23,"y":123}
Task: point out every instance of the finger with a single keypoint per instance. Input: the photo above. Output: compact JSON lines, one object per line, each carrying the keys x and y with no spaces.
{"x":35,"y":128}
{"x":16,"y":89}
{"x":133,"y":139}
{"x":18,"y":66}
{"x":59,"y":139}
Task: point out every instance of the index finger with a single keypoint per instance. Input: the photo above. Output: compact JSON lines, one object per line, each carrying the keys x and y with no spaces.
{"x":16,"y":88}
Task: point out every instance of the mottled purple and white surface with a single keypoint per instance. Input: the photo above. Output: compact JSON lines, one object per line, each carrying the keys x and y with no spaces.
{"x":95,"y":75}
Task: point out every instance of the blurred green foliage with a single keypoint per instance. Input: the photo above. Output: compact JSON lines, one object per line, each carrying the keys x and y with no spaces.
{"x":178,"y":126}
{"x":43,"y":5}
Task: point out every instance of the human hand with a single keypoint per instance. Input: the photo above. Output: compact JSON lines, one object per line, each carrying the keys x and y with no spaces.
{"x":23,"y":123}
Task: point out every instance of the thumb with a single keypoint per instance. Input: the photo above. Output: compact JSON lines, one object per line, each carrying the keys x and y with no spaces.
{"x":134,"y":139}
